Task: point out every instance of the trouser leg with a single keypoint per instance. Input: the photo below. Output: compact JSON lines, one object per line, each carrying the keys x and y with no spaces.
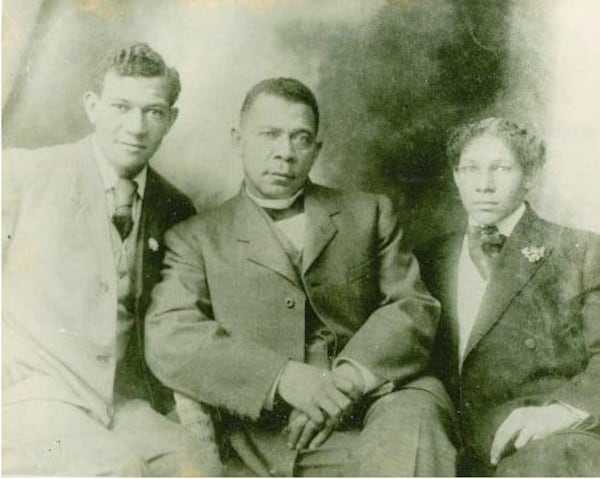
{"x":57,"y":438}
{"x":568,"y":453}
{"x":167,"y":449}
{"x":406,"y":433}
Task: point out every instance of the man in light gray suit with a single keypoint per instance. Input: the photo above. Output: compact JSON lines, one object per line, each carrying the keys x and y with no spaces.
{"x":82,"y":247}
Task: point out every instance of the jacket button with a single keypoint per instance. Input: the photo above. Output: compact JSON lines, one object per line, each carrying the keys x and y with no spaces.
{"x":289,"y":302}
{"x":104,"y":287}
{"x":530,"y":343}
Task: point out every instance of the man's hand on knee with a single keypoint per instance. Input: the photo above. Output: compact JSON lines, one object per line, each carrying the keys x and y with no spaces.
{"x":317,"y":392}
{"x":526,"y":424}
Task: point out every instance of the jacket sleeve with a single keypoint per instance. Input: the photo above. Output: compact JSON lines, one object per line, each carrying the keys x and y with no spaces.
{"x":583,"y":390}
{"x":192,"y":353}
{"x":394,"y":342}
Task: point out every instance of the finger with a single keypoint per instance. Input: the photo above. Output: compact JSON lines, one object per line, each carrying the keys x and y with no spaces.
{"x":314,"y":412}
{"x":504,"y":436}
{"x":308,"y":432}
{"x":343,"y":383}
{"x":321,"y":437}
{"x":525,"y":436}
{"x":340,"y":399}
{"x":329,"y":406}
{"x":295,"y":429}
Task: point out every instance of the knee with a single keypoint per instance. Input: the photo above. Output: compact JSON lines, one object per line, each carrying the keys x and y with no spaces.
{"x":570,"y":453}
{"x":410,"y":403}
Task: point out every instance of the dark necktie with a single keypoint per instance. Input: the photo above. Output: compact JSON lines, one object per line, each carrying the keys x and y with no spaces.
{"x":485,"y":244}
{"x":125,"y":191}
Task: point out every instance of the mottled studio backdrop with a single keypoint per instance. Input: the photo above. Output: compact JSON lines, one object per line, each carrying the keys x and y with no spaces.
{"x":391,"y":77}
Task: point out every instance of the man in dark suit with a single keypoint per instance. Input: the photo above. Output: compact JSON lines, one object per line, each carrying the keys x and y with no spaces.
{"x":82,"y":247}
{"x":294,"y":310}
{"x":519,"y":340}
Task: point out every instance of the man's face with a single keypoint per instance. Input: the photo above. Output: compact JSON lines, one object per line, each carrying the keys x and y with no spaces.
{"x":490,"y":180}
{"x":131,"y":115}
{"x":277,"y":144}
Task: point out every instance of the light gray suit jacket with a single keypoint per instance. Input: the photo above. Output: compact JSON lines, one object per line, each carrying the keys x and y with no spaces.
{"x":59,"y":279}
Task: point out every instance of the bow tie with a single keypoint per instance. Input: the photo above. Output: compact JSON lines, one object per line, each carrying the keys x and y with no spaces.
{"x":485,"y":244}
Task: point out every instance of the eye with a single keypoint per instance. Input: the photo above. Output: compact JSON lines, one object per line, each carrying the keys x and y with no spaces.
{"x":269,"y":134}
{"x":468,"y":169}
{"x":120,"y":107}
{"x":302,"y":140}
{"x":157,"y":113}
{"x":502,"y":168}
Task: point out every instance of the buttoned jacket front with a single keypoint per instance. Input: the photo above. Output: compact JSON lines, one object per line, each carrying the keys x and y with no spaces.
{"x":230,"y":309}
{"x":59,"y":279}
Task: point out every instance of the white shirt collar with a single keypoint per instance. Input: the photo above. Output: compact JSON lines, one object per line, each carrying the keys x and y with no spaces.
{"x":274,"y":204}
{"x":110,"y":177}
{"x":507,"y":225}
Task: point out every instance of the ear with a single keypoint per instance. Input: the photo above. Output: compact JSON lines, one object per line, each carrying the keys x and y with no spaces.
{"x":236,"y":140}
{"x":455,"y":176}
{"x":318,"y":146}
{"x":173,"y":115}
{"x":90,"y":104}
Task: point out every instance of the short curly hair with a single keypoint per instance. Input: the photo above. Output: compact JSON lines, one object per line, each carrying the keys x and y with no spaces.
{"x":529,"y":150}
{"x":138,"y":60}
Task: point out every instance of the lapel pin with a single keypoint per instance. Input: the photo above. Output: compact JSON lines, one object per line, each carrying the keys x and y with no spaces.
{"x":534,"y":253}
{"x":153,"y":245}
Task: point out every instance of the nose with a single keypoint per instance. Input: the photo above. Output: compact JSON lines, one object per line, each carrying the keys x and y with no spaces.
{"x":135,"y":122}
{"x":486,"y":181}
{"x":284,"y":149}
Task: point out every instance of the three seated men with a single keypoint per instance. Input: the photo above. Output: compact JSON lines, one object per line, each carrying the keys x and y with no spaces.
{"x":293,"y":311}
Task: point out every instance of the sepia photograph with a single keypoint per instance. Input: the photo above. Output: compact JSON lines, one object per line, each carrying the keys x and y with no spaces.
{"x":312,"y":238}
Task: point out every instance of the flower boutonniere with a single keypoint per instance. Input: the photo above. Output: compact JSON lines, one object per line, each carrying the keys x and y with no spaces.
{"x":153,"y":245}
{"x":534,"y":253}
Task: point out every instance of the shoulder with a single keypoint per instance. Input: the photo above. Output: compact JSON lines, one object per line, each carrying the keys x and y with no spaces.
{"x":209,"y":220}
{"x":171,"y":197}
{"x":22,"y":164}
{"x":568,"y":241}
{"x":347,"y":197}
{"x":358,"y":205}
{"x":432,"y":249}
{"x":166,"y":188}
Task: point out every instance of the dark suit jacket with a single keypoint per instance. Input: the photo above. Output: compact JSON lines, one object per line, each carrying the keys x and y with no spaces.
{"x":536,"y":338}
{"x":230,"y":309}
{"x":60,"y":279}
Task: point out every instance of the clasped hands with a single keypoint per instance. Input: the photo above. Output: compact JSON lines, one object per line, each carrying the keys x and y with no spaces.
{"x":320,"y":399}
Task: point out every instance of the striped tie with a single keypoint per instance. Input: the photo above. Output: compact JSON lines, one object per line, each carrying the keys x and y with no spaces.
{"x":125,"y":191}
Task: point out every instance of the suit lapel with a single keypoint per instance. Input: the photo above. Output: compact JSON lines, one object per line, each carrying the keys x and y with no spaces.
{"x":512,"y":272}
{"x":262,"y":246}
{"x":150,"y":227}
{"x":90,"y":197}
{"x":320,"y":228}
{"x":446,"y":274}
